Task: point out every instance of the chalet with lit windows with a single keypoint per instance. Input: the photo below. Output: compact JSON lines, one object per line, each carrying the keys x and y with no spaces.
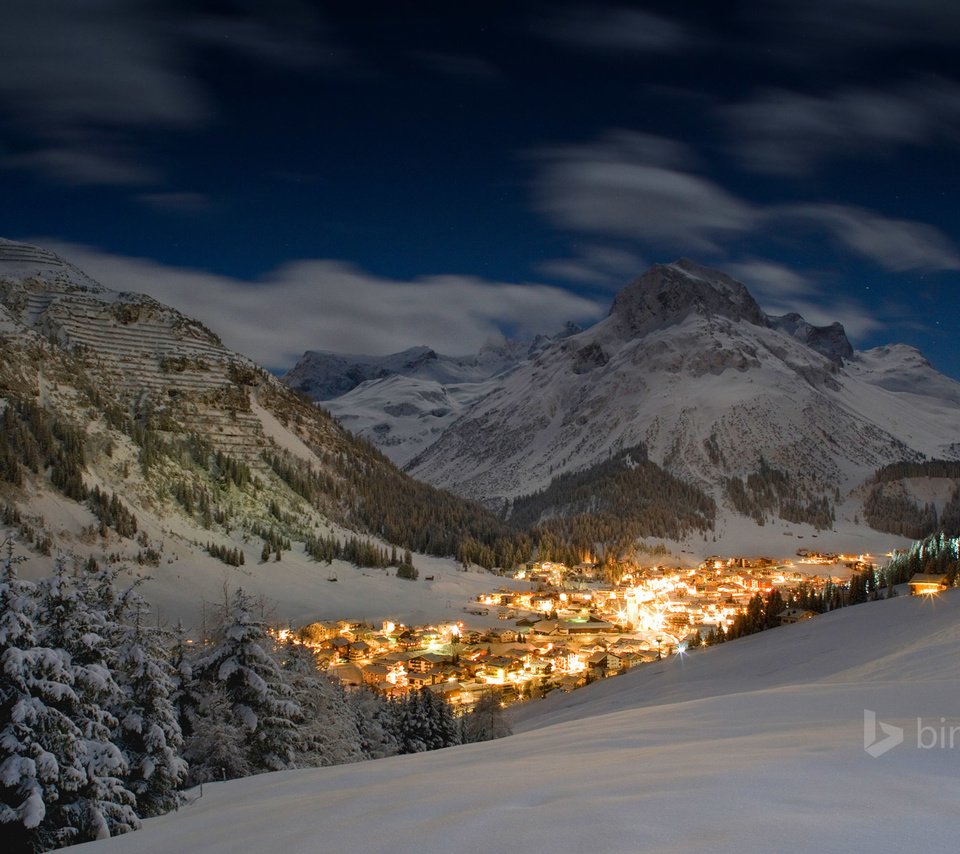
{"x":359,"y":650}
{"x":451,"y":691}
{"x":427,"y":662}
{"x":339,"y":648}
{"x":421,"y":680}
{"x":587,"y":626}
{"x":605,"y":663}
{"x":393,"y":672}
{"x":544,"y":629}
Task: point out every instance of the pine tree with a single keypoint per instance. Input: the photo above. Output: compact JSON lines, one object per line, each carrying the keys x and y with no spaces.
{"x":216,"y":748}
{"x":486,"y":721}
{"x":73,"y":621}
{"x":377,"y":722}
{"x":426,"y":723}
{"x":41,"y":750}
{"x":772,"y":607}
{"x":327,"y":727}
{"x":261,"y":702}
{"x":149,"y":731}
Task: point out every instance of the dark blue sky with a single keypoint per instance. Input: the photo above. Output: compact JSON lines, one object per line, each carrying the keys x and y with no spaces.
{"x":368,"y":176}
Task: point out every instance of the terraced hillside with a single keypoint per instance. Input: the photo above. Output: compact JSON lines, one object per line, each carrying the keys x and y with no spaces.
{"x":160,"y":363}
{"x":115,"y":394}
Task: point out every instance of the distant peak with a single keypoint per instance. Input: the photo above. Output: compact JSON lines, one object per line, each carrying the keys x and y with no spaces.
{"x":830,"y":341}
{"x":667,"y":293}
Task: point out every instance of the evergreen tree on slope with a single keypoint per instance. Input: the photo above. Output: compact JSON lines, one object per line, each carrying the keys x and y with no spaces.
{"x":486,"y":721}
{"x":261,"y":703}
{"x":377,"y":722}
{"x":328,"y":729}
{"x":216,"y":748}
{"x":426,"y":723}
{"x":72,"y":621}
{"x":41,"y":749}
{"x":149,"y":731}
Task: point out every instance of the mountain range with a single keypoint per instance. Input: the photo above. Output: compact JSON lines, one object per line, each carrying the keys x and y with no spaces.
{"x":130,"y":433}
{"x":403,"y":401}
{"x":686,"y":367}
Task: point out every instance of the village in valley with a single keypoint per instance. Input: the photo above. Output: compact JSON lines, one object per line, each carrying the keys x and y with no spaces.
{"x":568,"y":627}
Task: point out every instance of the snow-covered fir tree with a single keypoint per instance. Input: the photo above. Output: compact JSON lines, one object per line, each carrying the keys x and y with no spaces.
{"x":486,"y":721}
{"x":149,"y":731}
{"x":70,"y":620}
{"x":377,"y":722}
{"x":41,"y":749}
{"x":426,"y":723}
{"x":216,"y":748}
{"x":240,"y":659}
{"x":328,"y":729}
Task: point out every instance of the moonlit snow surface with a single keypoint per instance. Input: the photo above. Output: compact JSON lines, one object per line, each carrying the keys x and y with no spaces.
{"x":755,"y":745}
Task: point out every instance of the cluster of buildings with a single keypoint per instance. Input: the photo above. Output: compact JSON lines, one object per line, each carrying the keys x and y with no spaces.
{"x":566,"y":629}
{"x":521,"y":660}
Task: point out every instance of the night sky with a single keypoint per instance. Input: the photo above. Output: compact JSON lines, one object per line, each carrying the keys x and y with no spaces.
{"x":365,"y":177}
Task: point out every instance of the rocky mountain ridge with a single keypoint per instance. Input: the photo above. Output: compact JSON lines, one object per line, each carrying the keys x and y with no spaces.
{"x":688,"y":366}
{"x":403,"y":401}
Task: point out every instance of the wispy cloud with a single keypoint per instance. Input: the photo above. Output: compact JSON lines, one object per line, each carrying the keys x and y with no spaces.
{"x":772,"y":280}
{"x":80,"y":79}
{"x":824,"y":25}
{"x":791,"y":133}
{"x":613,"y":29}
{"x":897,"y":245}
{"x":603,"y":266}
{"x":641,"y":187}
{"x":633,"y":185}
{"x":332,"y":305}
{"x":83,"y":163}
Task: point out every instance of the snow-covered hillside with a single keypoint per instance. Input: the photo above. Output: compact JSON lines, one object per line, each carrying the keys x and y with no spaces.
{"x":756,"y":745}
{"x":205,"y":449}
{"x":404,"y":401}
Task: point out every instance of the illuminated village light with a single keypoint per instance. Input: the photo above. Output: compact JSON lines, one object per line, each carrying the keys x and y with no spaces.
{"x":653,"y":613}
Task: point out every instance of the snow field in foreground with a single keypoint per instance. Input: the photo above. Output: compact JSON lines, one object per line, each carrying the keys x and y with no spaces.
{"x":754,"y":745}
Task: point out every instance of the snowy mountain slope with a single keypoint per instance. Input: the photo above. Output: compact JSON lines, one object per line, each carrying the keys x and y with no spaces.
{"x":324,"y":375}
{"x":402,"y":402}
{"x":199,"y":444}
{"x":754,"y":745}
{"x":403,"y":415}
{"x":687,"y":363}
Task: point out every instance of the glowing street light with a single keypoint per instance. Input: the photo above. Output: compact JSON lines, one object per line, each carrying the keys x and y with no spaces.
{"x":659,"y":641}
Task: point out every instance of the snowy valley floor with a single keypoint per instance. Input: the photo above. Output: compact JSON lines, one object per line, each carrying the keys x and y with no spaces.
{"x":754,"y":745}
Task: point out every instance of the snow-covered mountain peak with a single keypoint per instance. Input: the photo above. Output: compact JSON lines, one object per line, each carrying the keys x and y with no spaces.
{"x":45,"y":269}
{"x":830,"y":341}
{"x":667,"y":293}
{"x":44,"y":294}
{"x":906,"y":355}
